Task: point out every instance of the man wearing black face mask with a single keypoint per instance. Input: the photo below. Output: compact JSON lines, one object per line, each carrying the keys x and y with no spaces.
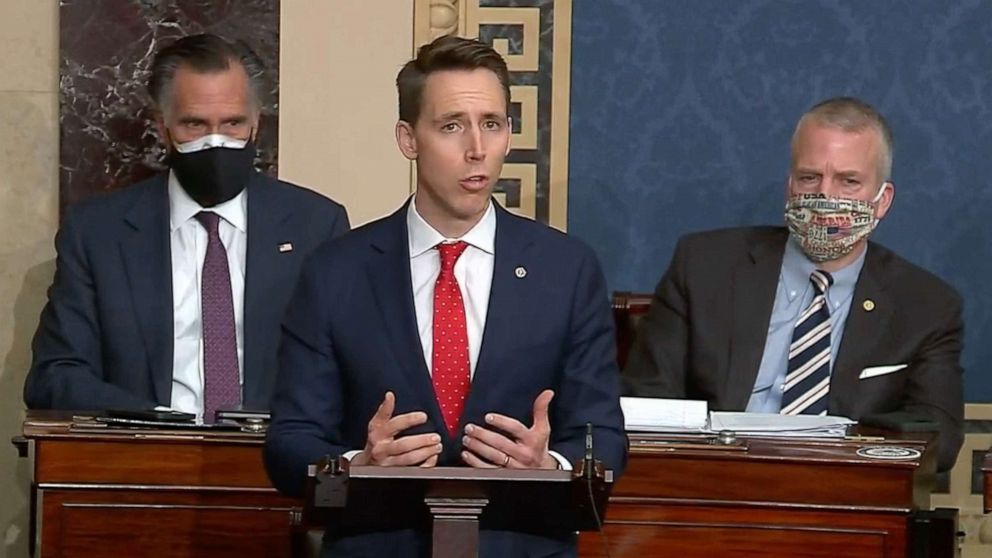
{"x":810,"y":318}
{"x":169,"y":293}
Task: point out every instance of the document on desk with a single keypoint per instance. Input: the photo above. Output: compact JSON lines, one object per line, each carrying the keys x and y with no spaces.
{"x":776,"y":425}
{"x":645,"y":414}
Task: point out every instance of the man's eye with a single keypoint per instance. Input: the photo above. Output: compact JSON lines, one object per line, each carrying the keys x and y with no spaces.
{"x":449,"y":127}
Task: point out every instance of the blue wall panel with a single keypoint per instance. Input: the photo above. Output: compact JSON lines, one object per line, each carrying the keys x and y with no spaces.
{"x":682,"y":112}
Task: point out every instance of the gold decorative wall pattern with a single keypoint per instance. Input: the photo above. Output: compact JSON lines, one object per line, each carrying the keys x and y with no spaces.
{"x":535,"y":38}
{"x":963,"y":487}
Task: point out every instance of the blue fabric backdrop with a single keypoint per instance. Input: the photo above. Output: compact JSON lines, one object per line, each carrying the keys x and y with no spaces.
{"x":682,"y":112}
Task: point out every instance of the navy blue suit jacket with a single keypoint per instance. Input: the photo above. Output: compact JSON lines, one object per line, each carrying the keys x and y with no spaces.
{"x":350,"y":335}
{"x":105,"y":337}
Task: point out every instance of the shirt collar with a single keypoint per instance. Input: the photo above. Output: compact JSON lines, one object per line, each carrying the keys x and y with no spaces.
{"x":423,"y":237}
{"x":182,"y":208}
{"x":796,"y":269}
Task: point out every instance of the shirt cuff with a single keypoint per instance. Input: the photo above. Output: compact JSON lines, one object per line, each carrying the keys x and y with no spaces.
{"x":349,"y":455}
{"x":563,"y":463}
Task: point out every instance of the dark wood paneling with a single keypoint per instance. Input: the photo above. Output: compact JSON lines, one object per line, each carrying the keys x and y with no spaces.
{"x":88,"y":523}
{"x":146,"y":493}
{"x":732,"y":541}
{"x":151,"y":461}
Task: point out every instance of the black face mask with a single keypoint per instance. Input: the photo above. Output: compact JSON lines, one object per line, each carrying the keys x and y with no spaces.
{"x":215,"y":175}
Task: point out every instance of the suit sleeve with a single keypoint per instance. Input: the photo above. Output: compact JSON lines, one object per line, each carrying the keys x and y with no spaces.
{"x":66,"y":369}
{"x":590,"y":388}
{"x":307,"y":407}
{"x":657,"y":363}
{"x":341,"y":223}
{"x":934,"y":384}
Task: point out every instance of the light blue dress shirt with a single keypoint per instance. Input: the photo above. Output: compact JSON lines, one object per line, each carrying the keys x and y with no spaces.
{"x":793,"y":294}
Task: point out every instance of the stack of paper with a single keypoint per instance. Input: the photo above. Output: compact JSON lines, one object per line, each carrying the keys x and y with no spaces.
{"x":642,"y":414}
{"x":772,"y":424}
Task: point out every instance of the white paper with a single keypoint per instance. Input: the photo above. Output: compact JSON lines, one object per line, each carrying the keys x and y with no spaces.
{"x":646,"y":414}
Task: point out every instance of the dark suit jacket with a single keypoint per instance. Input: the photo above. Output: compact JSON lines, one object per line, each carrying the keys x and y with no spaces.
{"x":350,"y":335}
{"x":705,"y":333}
{"x":105,"y":337}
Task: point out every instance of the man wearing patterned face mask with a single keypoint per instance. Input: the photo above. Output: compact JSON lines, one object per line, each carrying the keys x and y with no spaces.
{"x":811,"y":318}
{"x":170,"y":292}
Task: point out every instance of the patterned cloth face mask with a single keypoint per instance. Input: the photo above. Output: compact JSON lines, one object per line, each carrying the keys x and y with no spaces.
{"x":829,"y":228}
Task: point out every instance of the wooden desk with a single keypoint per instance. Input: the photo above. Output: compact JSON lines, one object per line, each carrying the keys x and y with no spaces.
{"x":778,"y":498}
{"x":151,"y":493}
{"x":987,"y":481}
{"x":146,"y":493}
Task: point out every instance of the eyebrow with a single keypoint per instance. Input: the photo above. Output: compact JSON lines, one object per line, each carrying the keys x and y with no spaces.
{"x":237,"y":119}
{"x":459,"y":115}
{"x":450,"y":116}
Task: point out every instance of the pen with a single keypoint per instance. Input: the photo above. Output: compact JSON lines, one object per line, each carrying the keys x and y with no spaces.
{"x":865,"y":438}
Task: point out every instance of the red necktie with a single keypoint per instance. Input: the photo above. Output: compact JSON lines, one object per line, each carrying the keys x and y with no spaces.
{"x":450,"y":364}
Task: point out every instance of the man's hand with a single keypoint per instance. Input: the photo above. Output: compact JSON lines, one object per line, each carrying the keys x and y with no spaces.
{"x":519,"y":448}
{"x":383,"y":448}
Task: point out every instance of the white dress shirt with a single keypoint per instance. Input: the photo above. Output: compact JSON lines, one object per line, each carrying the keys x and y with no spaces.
{"x":473,"y":271}
{"x":188,"y":241}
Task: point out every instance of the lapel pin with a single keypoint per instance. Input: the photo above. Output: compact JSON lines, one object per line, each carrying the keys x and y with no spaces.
{"x":520,"y":272}
{"x":285,"y":247}
{"x":868,"y":305}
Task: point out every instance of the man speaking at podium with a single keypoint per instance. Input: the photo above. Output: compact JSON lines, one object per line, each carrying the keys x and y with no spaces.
{"x":450,"y":332}
{"x":811,"y":318}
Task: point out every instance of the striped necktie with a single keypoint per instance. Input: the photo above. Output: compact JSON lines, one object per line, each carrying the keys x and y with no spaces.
{"x":807,"y":382}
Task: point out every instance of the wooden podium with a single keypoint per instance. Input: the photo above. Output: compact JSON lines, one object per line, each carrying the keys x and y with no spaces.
{"x":454,"y":502}
{"x":773,"y":497}
{"x":152,"y":493}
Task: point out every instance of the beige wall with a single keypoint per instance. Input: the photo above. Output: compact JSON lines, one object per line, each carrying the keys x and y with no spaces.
{"x":28,"y":202}
{"x":338,"y":60}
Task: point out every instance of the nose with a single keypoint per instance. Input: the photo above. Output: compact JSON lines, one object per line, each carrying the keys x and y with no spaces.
{"x":475,"y":150}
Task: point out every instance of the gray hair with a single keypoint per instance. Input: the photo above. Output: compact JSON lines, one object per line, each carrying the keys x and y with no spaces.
{"x":851,"y":115}
{"x":204,"y":53}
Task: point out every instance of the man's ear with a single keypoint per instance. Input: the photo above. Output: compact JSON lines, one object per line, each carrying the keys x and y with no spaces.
{"x":509,"y":130}
{"x":162,"y":129}
{"x":254,"y":126}
{"x":405,"y":140}
{"x":885,"y":201}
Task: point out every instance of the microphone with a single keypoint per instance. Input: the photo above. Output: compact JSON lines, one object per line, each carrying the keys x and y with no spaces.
{"x":589,"y":468}
{"x":589,"y":475}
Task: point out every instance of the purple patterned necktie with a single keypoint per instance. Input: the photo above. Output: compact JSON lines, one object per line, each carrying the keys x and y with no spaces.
{"x":221,"y":385}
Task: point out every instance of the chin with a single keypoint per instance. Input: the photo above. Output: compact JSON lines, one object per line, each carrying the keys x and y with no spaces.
{"x":474,"y":209}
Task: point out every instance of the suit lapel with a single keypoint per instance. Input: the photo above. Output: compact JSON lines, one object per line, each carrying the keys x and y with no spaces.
{"x":147,"y":259}
{"x":266,"y":218}
{"x":754,"y":284}
{"x":506,"y":297}
{"x":388,"y":273}
{"x":862,"y":332}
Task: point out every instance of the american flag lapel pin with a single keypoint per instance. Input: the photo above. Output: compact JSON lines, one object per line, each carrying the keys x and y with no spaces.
{"x":285,"y":247}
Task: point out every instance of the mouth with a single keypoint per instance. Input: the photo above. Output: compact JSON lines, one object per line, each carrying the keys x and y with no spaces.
{"x":474,"y":182}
